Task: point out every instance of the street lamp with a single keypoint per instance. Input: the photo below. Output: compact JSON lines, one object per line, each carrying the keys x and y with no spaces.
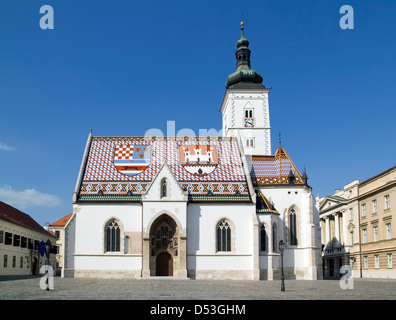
{"x":48,"y":245}
{"x":281,"y":248}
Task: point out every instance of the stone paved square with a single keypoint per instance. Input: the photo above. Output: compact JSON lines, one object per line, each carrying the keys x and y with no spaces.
{"x":160,"y":288}
{"x":171,"y":298}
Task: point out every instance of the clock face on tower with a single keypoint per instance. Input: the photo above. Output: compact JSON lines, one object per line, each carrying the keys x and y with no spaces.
{"x":249,"y":123}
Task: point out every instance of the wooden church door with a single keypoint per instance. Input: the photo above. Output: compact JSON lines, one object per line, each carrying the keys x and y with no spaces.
{"x":164,"y":264}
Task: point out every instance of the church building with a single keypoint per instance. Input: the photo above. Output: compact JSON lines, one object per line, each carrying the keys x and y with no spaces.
{"x":196,"y":207}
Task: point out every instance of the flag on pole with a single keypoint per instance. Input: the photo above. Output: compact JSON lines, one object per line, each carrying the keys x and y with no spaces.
{"x":41,"y":248}
{"x":47,"y":251}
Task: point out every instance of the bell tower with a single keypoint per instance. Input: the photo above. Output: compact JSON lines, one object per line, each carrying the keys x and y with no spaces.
{"x":245,"y":107}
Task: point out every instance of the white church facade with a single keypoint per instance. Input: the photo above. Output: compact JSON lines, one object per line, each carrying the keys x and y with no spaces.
{"x":197,"y":207}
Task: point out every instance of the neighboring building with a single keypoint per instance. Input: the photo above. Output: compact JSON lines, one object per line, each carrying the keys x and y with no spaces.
{"x":58,"y":229}
{"x":377,"y":205}
{"x":199,"y":207}
{"x":358,"y":228}
{"x":340,"y":228}
{"x":19,"y":239}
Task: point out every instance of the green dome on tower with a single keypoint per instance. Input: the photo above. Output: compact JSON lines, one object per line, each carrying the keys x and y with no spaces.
{"x":244,"y":77}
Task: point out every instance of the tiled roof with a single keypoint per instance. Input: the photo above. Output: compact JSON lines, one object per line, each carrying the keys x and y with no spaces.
{"x":273,"y":169}
{"x":122,"y":168}
{"x":263,"y":205}
{"x":15,"y":216}
{"x":62,"y":221}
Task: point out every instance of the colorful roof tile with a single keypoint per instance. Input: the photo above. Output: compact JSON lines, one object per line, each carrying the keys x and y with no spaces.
{"x":274,"y":169}
{"x":122,"y":168}
{"x":263,"y":205}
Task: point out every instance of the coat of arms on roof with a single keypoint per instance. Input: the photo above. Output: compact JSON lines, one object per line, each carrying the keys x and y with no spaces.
{"x":131,"y":159}
{"x":199,"y":160}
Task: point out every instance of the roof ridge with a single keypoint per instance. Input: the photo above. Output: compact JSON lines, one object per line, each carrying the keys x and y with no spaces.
{"x":62,"y":221}
{"x":14,"y":215}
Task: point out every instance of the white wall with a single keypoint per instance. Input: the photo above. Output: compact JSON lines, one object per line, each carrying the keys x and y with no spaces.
{"x":201,"y":243}
{"x":85,"y":248}
{"x":108,"y":262}
{"x":305,"y":257}
{"x":91,"y":220}
{"x":284,"y":198}
{"x":233,"y":108}
{"x":198,"y":221}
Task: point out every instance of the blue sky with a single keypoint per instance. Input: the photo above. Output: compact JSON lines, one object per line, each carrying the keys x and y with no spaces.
{"x":123,"y":67}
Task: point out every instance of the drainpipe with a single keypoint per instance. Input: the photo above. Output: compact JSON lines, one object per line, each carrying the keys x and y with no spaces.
{"x":360,"y":242}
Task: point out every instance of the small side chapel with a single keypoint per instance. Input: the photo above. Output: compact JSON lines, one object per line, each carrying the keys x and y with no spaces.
{"x":197,"y":207}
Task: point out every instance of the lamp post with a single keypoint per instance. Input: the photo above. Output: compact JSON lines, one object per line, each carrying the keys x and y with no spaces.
{"x":48,"y":245}
{"x":281,"y":248}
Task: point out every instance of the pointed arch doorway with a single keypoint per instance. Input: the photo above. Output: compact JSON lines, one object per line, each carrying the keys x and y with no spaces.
{"x":164,"y":240}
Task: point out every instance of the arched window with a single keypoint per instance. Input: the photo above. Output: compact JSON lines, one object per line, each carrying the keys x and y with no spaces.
{"x":113,"y":234}
{"x":224,"y":236}
{"x":274,"y":238}
{"x":263,"y":238}
{"x":163,"y":188}
{"x":249,"y":113}
{"x":250,"y":142}
{"x":292,"y":227}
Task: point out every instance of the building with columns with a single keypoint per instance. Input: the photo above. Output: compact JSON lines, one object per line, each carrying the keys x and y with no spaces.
{"x":339,"y":227}
{"x":358,"y":228}
{"x":197,"y":207}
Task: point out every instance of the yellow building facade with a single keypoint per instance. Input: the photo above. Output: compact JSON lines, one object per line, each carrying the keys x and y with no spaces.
{"x":359,"y":228}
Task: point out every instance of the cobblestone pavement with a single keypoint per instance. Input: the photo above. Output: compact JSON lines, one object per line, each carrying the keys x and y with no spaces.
{"x":28,"y":288}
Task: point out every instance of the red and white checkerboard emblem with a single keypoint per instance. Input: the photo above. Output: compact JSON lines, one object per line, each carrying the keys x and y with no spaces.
{"x":124,"y":152}
{"x":131,"y":159}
